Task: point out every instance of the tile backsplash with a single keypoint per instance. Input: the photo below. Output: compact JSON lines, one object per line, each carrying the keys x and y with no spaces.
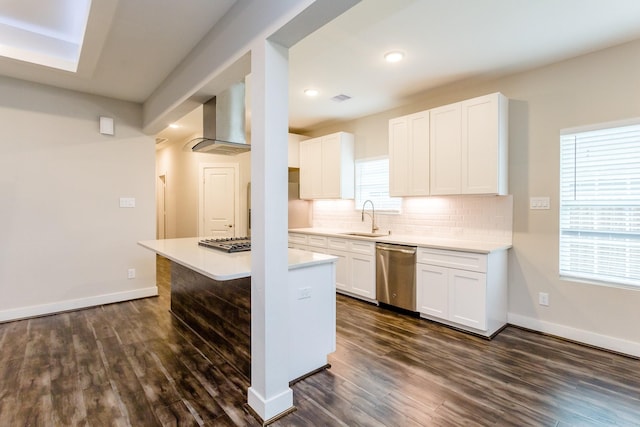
{"x":478,"y":218}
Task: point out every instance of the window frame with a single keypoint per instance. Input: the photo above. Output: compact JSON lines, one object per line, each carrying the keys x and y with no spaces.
{"x":380,"y":207}
{"x":593,"y":277}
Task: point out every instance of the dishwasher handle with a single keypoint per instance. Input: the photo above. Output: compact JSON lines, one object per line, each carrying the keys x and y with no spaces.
{"x":409,"y":250}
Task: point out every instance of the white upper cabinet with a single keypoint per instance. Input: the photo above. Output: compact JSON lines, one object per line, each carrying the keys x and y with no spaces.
{"x":484,"y":145}
{"x":409,"y":155}
{"x":468,"y":147}
{"x":294,"y":149}
{"x":327,"y":167}
{"x":310,"y":168}
{"x":445,"y":149}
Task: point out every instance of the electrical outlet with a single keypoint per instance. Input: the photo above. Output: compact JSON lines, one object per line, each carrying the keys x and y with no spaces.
{"x":543,"y":298}
{"x":304,"y":293}
{"x":131,"y":273}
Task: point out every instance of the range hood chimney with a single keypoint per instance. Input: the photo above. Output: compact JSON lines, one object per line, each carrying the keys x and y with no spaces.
{"x":223,"y":124}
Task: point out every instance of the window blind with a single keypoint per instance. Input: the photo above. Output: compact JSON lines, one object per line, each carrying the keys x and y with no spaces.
{"x":600,"y":205}
{"x":372,"y":183}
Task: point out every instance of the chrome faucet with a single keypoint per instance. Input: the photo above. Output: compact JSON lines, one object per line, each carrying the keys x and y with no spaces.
{"x":374,"y":227}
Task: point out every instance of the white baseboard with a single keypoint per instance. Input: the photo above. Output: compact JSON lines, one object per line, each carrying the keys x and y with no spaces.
{"x":579,"y":335}
{"x":75,"y":304}
{"x":268,"y":409}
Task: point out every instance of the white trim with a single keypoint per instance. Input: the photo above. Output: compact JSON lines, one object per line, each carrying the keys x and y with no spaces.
{"x":619,"y":285}
{"x":236,"y":198}
{"x":75,"y":304}
{"x":271,"y":408}
{"x":579,"y":335}
{"x":598,"y":126}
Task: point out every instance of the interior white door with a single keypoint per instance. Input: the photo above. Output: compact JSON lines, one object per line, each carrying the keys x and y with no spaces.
{"x":219,"y":202}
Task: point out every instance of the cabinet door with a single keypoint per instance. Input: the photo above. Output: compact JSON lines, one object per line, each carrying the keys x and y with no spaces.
{"x":399,"y":157}
{"x":467,"y":298}
{"x":331,"y":166}
{"x":310,"y":169}
{"x":409,"y":155}
{"x":362,"y":269}
{"x":342,"y":269}
{"x":445,"y":149}
{"x":480,"y":145}
{"x":433,"y":290}
{"x":418,"y":124}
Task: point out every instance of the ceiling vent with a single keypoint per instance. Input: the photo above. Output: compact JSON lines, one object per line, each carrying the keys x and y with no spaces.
{"x":341,"y":98}
{"x":161,"y":140}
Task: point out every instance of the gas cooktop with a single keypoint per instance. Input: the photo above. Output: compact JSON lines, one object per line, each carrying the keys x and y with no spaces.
{"x":227,"y":244}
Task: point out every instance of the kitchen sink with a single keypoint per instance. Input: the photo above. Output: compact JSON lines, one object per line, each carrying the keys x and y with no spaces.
{"x":364,"y":234}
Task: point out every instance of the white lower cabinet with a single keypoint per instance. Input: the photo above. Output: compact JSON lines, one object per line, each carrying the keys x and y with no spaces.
{"x":463,"y":289}
{"x":356,"y":266}
{"x":468,"y":305}
{"x":342,"y":269}
{"x":466,"y":290}
{"x":432,"y":287}
{"x":362,"y":271}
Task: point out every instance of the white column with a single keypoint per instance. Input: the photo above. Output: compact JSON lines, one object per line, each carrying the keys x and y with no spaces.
{"x":269,"y":394}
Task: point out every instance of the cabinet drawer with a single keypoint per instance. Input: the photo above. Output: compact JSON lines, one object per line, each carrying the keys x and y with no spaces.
{"x":454,"y":259}
{"x":298,"y":239}
{"x":361,"y":247}
{"x":317,"y":241}
{"x":297,"y":246}
{"x":337,"y":243}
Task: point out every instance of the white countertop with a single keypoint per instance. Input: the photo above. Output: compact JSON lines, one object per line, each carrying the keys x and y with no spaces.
{"x":219,"y":265}
{"x":413,"y":240}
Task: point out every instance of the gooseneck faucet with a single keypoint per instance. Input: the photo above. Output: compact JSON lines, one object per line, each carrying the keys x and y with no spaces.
{"x":374,"y":227}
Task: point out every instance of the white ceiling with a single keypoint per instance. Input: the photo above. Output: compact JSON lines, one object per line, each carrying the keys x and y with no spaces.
{"x":444,"y":41}
{"x":51,"y":34}
{"x":130,"y":47}
{"x":134,"y":45}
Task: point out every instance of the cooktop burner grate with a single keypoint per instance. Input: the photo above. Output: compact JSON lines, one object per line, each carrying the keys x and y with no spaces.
{"x":227,"y":244}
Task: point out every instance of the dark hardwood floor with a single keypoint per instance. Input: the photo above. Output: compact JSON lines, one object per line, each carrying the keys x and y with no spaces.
{"x":133,"y":364}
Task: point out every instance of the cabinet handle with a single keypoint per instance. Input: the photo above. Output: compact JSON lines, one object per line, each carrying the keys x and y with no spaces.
{"x":394,"y":249}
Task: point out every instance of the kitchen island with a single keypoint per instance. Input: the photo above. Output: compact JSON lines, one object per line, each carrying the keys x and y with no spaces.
{"x":211,"y":293}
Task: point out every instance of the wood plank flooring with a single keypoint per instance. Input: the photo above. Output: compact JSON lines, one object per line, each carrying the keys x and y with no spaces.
{"x":133,"y":364}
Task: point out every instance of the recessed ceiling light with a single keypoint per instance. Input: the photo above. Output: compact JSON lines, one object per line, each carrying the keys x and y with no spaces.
{"x":393,"y":56}
{"x":174,"y":126}
{"x":311,"y":92}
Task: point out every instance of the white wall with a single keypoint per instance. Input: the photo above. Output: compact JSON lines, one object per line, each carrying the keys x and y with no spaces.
{"x":65,"y":242}
{"x":594,"y":88}
{"x":181,"y":169}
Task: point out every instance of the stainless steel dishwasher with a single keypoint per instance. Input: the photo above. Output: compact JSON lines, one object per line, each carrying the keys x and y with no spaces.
{"x":396,"y":275}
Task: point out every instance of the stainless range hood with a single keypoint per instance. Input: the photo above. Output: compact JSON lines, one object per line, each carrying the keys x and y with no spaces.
{"x":223,"y":124}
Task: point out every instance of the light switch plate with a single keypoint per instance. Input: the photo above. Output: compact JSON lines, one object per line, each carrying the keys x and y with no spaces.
{"x":539,"y":203}
{"x":127,"y":202}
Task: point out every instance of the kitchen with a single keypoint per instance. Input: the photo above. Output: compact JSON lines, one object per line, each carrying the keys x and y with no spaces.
{"x":532,"y":264}
{"x":543,"y":101}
